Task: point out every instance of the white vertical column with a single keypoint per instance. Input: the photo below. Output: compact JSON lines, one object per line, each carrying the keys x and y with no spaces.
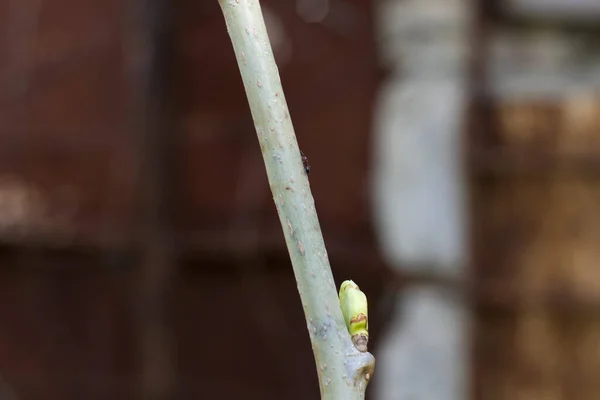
{"x":419,"y":195}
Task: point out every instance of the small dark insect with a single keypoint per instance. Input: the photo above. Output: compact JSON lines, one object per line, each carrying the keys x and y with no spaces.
{"x":305,"y":163}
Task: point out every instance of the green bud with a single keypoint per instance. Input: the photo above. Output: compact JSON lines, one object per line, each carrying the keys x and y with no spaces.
{"x":354,"y":308}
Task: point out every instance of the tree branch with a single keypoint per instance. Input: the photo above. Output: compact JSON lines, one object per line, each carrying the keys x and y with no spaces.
{"x":343,"y":371}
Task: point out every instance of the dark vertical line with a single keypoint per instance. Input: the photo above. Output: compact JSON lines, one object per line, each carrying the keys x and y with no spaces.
{"x":474,"y":137}
{"x":148,"y":54}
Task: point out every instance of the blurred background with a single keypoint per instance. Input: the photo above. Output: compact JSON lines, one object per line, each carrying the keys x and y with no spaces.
{"x":455,"y":153}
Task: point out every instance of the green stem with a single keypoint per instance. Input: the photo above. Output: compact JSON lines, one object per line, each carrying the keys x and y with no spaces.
{"x":343,"y":371}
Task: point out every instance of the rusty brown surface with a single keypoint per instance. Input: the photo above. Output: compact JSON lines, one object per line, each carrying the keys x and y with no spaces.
{"x":535,"y":229}
{"x":79,"y":117}
{"x":534,"y":188}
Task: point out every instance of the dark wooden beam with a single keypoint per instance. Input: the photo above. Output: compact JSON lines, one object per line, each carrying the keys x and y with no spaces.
{"x":477,"y":133}
{"x":149,"y":55}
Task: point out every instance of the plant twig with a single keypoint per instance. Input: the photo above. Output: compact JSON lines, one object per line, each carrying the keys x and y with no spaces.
{"x":343,"y":371}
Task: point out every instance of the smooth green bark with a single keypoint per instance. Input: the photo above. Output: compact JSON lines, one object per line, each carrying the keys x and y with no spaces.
{"x":343,"y":371}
